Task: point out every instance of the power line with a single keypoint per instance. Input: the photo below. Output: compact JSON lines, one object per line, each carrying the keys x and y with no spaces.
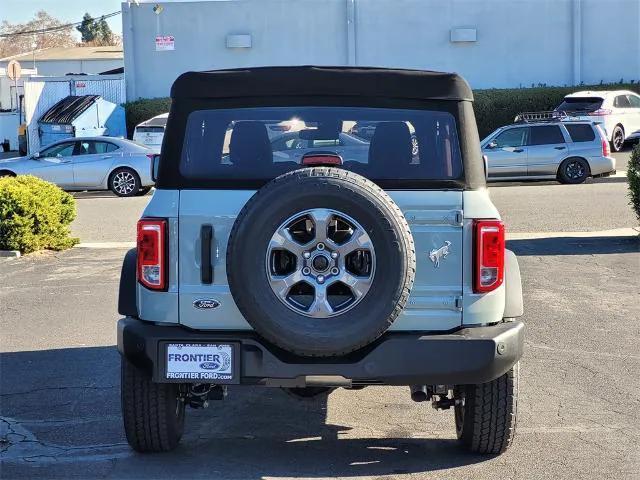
{"x":59,"y":27}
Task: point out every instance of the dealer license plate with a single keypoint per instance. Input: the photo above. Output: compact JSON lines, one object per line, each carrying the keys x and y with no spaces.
{"x":207,"y":362}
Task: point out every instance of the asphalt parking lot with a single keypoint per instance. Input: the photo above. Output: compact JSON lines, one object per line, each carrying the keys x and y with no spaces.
{"x":579,"y":412}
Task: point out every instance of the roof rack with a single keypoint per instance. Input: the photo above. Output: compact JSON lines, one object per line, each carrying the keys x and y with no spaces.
{"x":545,"y":116}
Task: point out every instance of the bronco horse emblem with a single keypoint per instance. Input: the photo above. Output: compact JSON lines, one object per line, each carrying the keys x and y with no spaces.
{"x":438,"y":253}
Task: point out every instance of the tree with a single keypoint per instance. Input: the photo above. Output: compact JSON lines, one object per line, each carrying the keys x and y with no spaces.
{"x":15,"y":44}
{"x":96,"y":32}
{"x":88,"y":29}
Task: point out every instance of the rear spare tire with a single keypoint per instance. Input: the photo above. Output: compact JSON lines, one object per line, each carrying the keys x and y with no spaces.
{"x":320,"y":261}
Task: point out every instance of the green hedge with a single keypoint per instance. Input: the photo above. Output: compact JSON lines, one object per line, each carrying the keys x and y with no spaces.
{"x":494,"y":108}
{"x":141,"y":110}
{"x":34,"y":215}
{"x":633,"y":175}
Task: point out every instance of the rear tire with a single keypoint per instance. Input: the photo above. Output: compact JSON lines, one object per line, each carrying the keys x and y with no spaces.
{"x":573,"y":170}
{"x":6,"y":173}
{"x":153,"y":413}
{"x":617,"y":138}
{"x":124,"y":182}
{"x":486,"y":413}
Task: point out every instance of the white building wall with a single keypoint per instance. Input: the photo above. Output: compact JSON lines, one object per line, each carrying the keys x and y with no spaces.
{"x":518,"y":42}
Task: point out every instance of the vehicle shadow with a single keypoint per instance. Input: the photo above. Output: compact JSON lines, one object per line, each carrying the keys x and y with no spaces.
{"x":61,"y":409}
{"x":538,"y":183}
{"x":575,"y":245}
{"x":100,"y":194}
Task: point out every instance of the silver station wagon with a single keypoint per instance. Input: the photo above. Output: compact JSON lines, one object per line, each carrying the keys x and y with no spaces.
{"x":569,"y":151}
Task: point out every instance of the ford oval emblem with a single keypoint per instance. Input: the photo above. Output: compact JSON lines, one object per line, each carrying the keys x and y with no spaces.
{"x":206,"y":303}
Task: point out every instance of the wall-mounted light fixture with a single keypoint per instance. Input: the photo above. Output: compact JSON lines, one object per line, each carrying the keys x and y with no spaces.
{"x":461,"y":35}
{"x":239,"y":41}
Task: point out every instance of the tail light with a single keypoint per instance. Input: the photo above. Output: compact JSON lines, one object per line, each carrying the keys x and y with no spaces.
{"x":603,"y":141}
{"x":489,"y":255}
{"x":152,"y":254}
{"x":600,"y":112}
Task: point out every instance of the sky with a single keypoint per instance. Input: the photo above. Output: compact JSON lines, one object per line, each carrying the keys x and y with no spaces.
{"x":20,"y":11}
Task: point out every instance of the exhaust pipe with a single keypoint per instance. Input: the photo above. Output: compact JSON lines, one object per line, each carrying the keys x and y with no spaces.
{"x":419,"y":393}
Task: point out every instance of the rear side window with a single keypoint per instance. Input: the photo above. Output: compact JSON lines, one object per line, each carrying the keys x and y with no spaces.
{"x":262,"y":143}
{"x":581,"y":132}
{"x":546,"y":135}
{"x":621,"y":101}
{"x":580,"y":104}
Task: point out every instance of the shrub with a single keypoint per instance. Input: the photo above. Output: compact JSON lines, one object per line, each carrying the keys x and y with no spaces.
{"x":633,"y":174}
{"x":498,"y":107}
{"x":141,"y":110}
{"x":34,"y":215}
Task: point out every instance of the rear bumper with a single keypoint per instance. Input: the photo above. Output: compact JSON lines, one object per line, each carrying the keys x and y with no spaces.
{"x":601,"y":166}
{"x":466,"y":356}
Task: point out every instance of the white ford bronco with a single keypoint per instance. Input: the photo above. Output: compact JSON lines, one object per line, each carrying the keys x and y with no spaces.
{"x":282,"y":249}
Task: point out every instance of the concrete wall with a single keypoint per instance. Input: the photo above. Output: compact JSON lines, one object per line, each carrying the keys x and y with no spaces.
{"x":518,"y":43}
{"x":55,"y":68}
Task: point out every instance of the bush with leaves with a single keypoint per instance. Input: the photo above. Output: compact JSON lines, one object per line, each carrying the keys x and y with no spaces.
{"x":633,"y":175}
{"x":498,"y":107}
{"x":34,"y":215}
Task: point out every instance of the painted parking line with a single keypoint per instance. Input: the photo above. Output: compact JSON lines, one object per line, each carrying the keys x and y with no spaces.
{"x":105,"y":245}
{"x":616,"y":232}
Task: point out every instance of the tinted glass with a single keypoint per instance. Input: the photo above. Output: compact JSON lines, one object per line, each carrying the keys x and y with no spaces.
{"x":149,"y":129}
{"x":514,"y":137}
{"x":103,"y":147}
{"x":62,"y":150}
{"x":581,"y":132}
{"x":621,"y":101}
{"x":249,"y":143}
{"x":546,"y":135}
{"x":580,"y":104}
{"x":634,"y":101}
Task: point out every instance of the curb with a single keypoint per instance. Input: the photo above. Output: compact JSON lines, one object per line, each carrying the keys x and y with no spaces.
{"x":9,"y":253}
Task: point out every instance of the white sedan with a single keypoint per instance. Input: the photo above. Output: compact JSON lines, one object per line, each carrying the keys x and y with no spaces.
{"x":89,"y":163}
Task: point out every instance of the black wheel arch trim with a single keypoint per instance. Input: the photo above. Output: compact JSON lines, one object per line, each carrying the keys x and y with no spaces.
{"x":127,"y":301}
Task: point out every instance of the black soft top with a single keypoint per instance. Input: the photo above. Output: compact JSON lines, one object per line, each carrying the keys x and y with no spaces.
{"x":322,"y":81}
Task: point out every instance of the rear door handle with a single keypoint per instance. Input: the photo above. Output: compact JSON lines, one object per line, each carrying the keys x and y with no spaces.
{"x":559,"y":148}
{"x":519,"y":150}
{"x":206,"y":269}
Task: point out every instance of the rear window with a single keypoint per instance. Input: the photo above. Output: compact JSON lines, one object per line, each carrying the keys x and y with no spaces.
{"x":149,"y":129}
{"x":580,"y":104}
{"x":262,"y":143}
{"x":581,"y":132}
